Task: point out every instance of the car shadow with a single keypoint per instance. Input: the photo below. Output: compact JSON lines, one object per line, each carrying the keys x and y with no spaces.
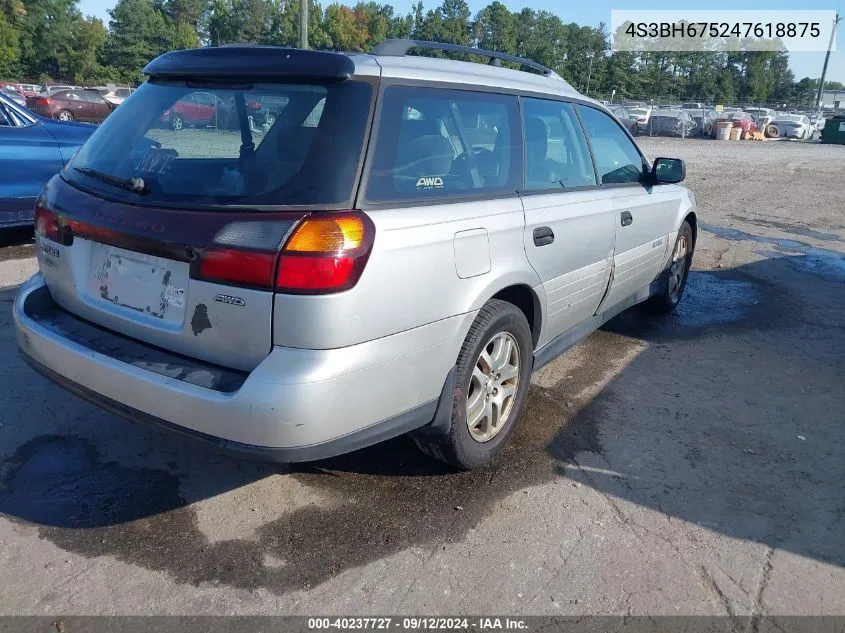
{"x":16,"y":243}
{"x":721,"y":415}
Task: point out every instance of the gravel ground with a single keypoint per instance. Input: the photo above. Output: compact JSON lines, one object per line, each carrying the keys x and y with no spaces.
{"x":688,"y":466}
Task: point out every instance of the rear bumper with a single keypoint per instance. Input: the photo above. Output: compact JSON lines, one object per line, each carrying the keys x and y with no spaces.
{"x":297,"y":405}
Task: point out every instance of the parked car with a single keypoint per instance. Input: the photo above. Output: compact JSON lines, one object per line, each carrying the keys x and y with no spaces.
{"x":195,"y":109}
{"x":641,"y":114}
{"x":247,"y":290}
{"x":740,"y":119}
{"x":704,"y":120}
{"x":790,"y":126}
{"x":265,"y":109}
{"x":72,"y":105}
{"x":671,"y":123}
{"x":625,"y":119}
{"x":14,"y":95}
{"x":696,"y":105}
{"x":27,"y":90}
{"x":817,"y":120}
{"x":115,"y":96}
{"x":762,"y":116}
{"x":51,"y":88}
{"x":32,"y":149}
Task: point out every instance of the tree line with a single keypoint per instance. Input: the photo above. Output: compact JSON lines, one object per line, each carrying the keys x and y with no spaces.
{"x":50,"y":40}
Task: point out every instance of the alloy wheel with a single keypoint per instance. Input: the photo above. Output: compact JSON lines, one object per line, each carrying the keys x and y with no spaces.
{"x":493,"y":387}
{"x":678,"y":269}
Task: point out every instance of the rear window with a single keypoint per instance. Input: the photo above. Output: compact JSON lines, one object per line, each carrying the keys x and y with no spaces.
{"x":435,"y":143}
{"x":248,"y":145}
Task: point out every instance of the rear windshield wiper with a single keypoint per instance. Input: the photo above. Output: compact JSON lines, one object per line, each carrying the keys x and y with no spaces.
{"x":136,"y":185}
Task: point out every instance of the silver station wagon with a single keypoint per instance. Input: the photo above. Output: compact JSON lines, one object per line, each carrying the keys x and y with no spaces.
{"x":333,"y":249}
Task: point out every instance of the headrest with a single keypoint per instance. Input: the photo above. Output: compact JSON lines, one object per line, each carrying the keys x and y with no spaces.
{"x":428,"y":155}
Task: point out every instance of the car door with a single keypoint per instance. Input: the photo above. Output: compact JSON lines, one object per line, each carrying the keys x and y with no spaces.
{"x":569,"y":218}
{"x":95,"y":106}
{"x":205,"y":108}
{"x":29,"y":157}
{"x":644,"y":215}
{"x":73,"y":103}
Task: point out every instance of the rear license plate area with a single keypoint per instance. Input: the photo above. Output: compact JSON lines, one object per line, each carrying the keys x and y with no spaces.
{"x":137,"y":283}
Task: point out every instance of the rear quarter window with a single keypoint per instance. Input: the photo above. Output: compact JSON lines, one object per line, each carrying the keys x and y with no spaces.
{"x":438,"y":143}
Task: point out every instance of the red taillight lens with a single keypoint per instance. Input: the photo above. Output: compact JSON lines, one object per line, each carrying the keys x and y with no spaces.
{"x":42,"y":102}
{"x":326,"y":253}
{"x":314,"y":274}
{"x":238,"y":267}
{"x":46,"y":223}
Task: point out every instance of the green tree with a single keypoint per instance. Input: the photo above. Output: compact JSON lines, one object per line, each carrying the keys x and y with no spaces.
{"x":495,"y":29}
{"x":10,"y":51}
{"x":139,"y":32}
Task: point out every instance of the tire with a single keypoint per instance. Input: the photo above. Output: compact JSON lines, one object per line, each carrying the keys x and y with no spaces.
{"x":270,"y":119}
{"x":772,"y":131}
{"x":176,"y":122}
{"x":673,"y":281}
{"x":64,"y":115}
{"x":501,"y":330}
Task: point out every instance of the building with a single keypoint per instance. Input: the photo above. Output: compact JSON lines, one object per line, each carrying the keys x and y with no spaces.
{"x":833,"y":99}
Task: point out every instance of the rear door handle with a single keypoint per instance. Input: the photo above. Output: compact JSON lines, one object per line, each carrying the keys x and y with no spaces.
{"x":543,"y":235}
{"x":627,"y":218}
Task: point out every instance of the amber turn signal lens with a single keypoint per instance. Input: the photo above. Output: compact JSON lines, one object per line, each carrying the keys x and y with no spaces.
{"x":327,"y":235}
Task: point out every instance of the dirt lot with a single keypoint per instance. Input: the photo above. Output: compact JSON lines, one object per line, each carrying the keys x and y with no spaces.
{"x":689,"y":466}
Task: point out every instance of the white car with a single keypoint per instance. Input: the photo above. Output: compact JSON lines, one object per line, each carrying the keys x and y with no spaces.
{"x":790,"y":126}
{"x":640,"y":115}
{"x":762,"y":116}
{"x":115,"y":95}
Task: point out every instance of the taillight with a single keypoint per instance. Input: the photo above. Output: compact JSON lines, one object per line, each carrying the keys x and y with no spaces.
{"x":238,"y":267}
{"x":46,"y":223}
{"x":326,"y":253}
{"x":42,"y":102}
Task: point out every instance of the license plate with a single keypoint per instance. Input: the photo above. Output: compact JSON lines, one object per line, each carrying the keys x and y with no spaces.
{"x":141,"y":283}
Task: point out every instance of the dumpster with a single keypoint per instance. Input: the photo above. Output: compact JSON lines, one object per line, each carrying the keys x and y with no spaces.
{"x":834,"y":130}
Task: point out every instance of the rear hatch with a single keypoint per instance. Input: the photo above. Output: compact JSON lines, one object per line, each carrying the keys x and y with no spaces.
{"x":172,"y":234}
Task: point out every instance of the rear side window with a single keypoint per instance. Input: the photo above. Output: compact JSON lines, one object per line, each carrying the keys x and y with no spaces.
{"x":245,"y":145}
{"x":436,"y":143}
{"x":556,"y":153}
{"x":617,"y":158}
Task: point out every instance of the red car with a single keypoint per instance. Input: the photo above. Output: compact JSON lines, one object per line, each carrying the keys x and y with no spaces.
{"x":745,"y":121}
{"x":71,"y":105}
{"x":197,"y":108}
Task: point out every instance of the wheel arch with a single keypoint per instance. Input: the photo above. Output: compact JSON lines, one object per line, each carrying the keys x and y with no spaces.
{"x":526,"y":299}
{"x":692,"y":219}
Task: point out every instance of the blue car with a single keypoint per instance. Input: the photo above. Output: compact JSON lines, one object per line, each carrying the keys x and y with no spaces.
{"x":32,"y":150}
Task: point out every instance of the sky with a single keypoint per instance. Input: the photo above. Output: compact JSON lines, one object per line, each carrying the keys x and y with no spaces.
{"x":592,"y":12}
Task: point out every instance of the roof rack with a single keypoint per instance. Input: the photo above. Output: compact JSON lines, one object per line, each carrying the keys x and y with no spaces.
{"x":400,"y":48}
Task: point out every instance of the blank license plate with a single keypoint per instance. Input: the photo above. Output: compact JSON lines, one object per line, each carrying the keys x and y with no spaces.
{"x":142,"y":283}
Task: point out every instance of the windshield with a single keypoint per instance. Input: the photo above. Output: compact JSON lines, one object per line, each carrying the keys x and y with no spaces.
{"x":274,"y":144}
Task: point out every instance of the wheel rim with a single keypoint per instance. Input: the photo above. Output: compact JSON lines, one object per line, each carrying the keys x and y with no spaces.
{"x":270,"y":120}
{"x":176,"y":123}
{"x":678,"y":269}
{"x":493,"y":387}
{"x":64,"y":116}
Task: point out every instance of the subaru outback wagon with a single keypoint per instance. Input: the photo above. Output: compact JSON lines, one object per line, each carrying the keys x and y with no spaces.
{"x":394,"y":253}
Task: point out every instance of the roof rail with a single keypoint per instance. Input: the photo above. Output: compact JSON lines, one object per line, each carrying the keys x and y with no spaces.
{"x":400,"y":48}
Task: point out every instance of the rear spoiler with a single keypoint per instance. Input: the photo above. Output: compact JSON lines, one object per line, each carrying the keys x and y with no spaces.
{"x":251,"y":62}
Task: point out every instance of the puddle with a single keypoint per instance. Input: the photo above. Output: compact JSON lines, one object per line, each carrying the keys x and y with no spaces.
{"x":820,"y":262}
{"x":795,"y":229}
{"x":710,"y":300}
